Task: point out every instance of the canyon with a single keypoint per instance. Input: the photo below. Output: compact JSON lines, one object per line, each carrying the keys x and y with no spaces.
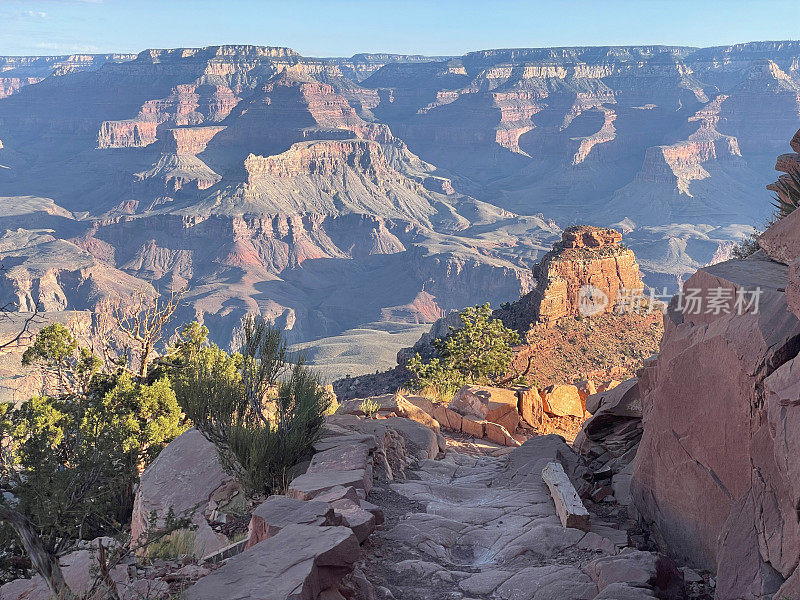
{"x":354,"y":201}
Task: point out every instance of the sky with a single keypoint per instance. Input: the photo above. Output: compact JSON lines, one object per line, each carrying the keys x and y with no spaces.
{"x":346,"y":27}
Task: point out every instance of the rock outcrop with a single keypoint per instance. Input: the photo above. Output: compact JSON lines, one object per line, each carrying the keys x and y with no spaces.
{"x":187,"y":477}
{"x":715,"y":473}
{"x":587,"y":273}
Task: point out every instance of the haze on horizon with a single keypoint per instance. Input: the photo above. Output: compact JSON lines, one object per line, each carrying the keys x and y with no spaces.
{"x":347,"y":27}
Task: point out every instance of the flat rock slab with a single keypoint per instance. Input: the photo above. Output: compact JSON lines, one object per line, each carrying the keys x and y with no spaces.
{"x":297,"y":564}
{"x":310,"y":485}
{"x":346,"y":457}
{"x":278,"y":512}
{"x":553,"y":582}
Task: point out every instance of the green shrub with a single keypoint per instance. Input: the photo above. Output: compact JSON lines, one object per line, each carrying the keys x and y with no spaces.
{"x":480,"y":352}
{"x":787,"y":195}
{"x":263,"y":411}
{"x":370,"y":407}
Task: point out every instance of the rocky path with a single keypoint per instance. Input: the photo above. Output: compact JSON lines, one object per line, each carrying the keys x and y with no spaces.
{"x":483,"y":527}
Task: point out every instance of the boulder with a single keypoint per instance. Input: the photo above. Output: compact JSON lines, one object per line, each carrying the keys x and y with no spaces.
{"x":421,"y":440}
{"x":499,"y":434}
{"x":447,"y":418}
{"x":277,"y":512}
{"x":353,"y":515}
{"x":530,"y":406}
{"x":473,"y":426}
{"x":298,"y":564}
{"x":310,"y":485}
{"x":719,"y":425}
{"x":183,"y":477}
{"x":562,"y":401}
{"x":621,"y":400}
{"x":781,"y":241}
{"x":639,"y":569}
{"x":498,"y":405}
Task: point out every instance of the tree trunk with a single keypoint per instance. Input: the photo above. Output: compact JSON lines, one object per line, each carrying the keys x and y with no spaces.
{"x":45,"y":563}
{"x":145,"y":360}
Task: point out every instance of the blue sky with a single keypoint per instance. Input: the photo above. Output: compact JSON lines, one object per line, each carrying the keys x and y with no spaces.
{"x":344,"y":27}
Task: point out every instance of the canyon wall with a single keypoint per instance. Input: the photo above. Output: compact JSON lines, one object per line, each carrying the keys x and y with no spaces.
{"x":457,"y":173}
{"x":716,"y":472}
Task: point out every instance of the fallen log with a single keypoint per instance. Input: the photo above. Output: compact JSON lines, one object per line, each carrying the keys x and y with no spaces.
{"x":569,"y":507}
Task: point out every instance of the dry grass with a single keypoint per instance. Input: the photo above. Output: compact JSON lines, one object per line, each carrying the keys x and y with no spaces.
{"x":435,"y":394}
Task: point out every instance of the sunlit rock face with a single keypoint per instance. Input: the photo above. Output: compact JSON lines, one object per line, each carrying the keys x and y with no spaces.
{"x":332,"y":193}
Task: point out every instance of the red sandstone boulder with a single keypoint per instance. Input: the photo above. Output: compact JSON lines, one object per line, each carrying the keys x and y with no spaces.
{"x":781,"y":241}
{"x":637,"y":569}
{"x":499,"y":434}
{"x":186,"y":473}
{"x":530,"y":406}
{"x":473,"y":426}
{"x":621,"y":400}
{"x":498,"y":405}
{"x":299,"y":563}
{"x":562,"y":401}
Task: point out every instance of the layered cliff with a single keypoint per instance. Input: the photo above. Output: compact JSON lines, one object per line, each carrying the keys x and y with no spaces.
{"x":716,"y":471}
{"x":588,"y":272}
{"x":470,"y":165}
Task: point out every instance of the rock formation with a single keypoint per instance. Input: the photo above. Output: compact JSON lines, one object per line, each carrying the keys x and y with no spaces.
{"x":412,"y":176}
{"x":715,"y":473}
{"x":588,"y":265}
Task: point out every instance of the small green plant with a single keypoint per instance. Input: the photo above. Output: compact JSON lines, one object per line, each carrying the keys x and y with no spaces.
{"x":370,"y":407}
{"x":177,"y":544}
{"x":787,"y":194}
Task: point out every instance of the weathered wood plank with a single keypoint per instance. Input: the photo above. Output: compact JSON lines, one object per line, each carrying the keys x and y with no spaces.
{"x":569,"y":507}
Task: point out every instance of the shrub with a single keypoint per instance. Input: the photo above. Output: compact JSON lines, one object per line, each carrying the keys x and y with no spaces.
{"x":370,"y":407}
{"x":480,"y":352}
{"x":747,"y":246}
{"x":263,"y":411}
{"x":787,"y":197}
